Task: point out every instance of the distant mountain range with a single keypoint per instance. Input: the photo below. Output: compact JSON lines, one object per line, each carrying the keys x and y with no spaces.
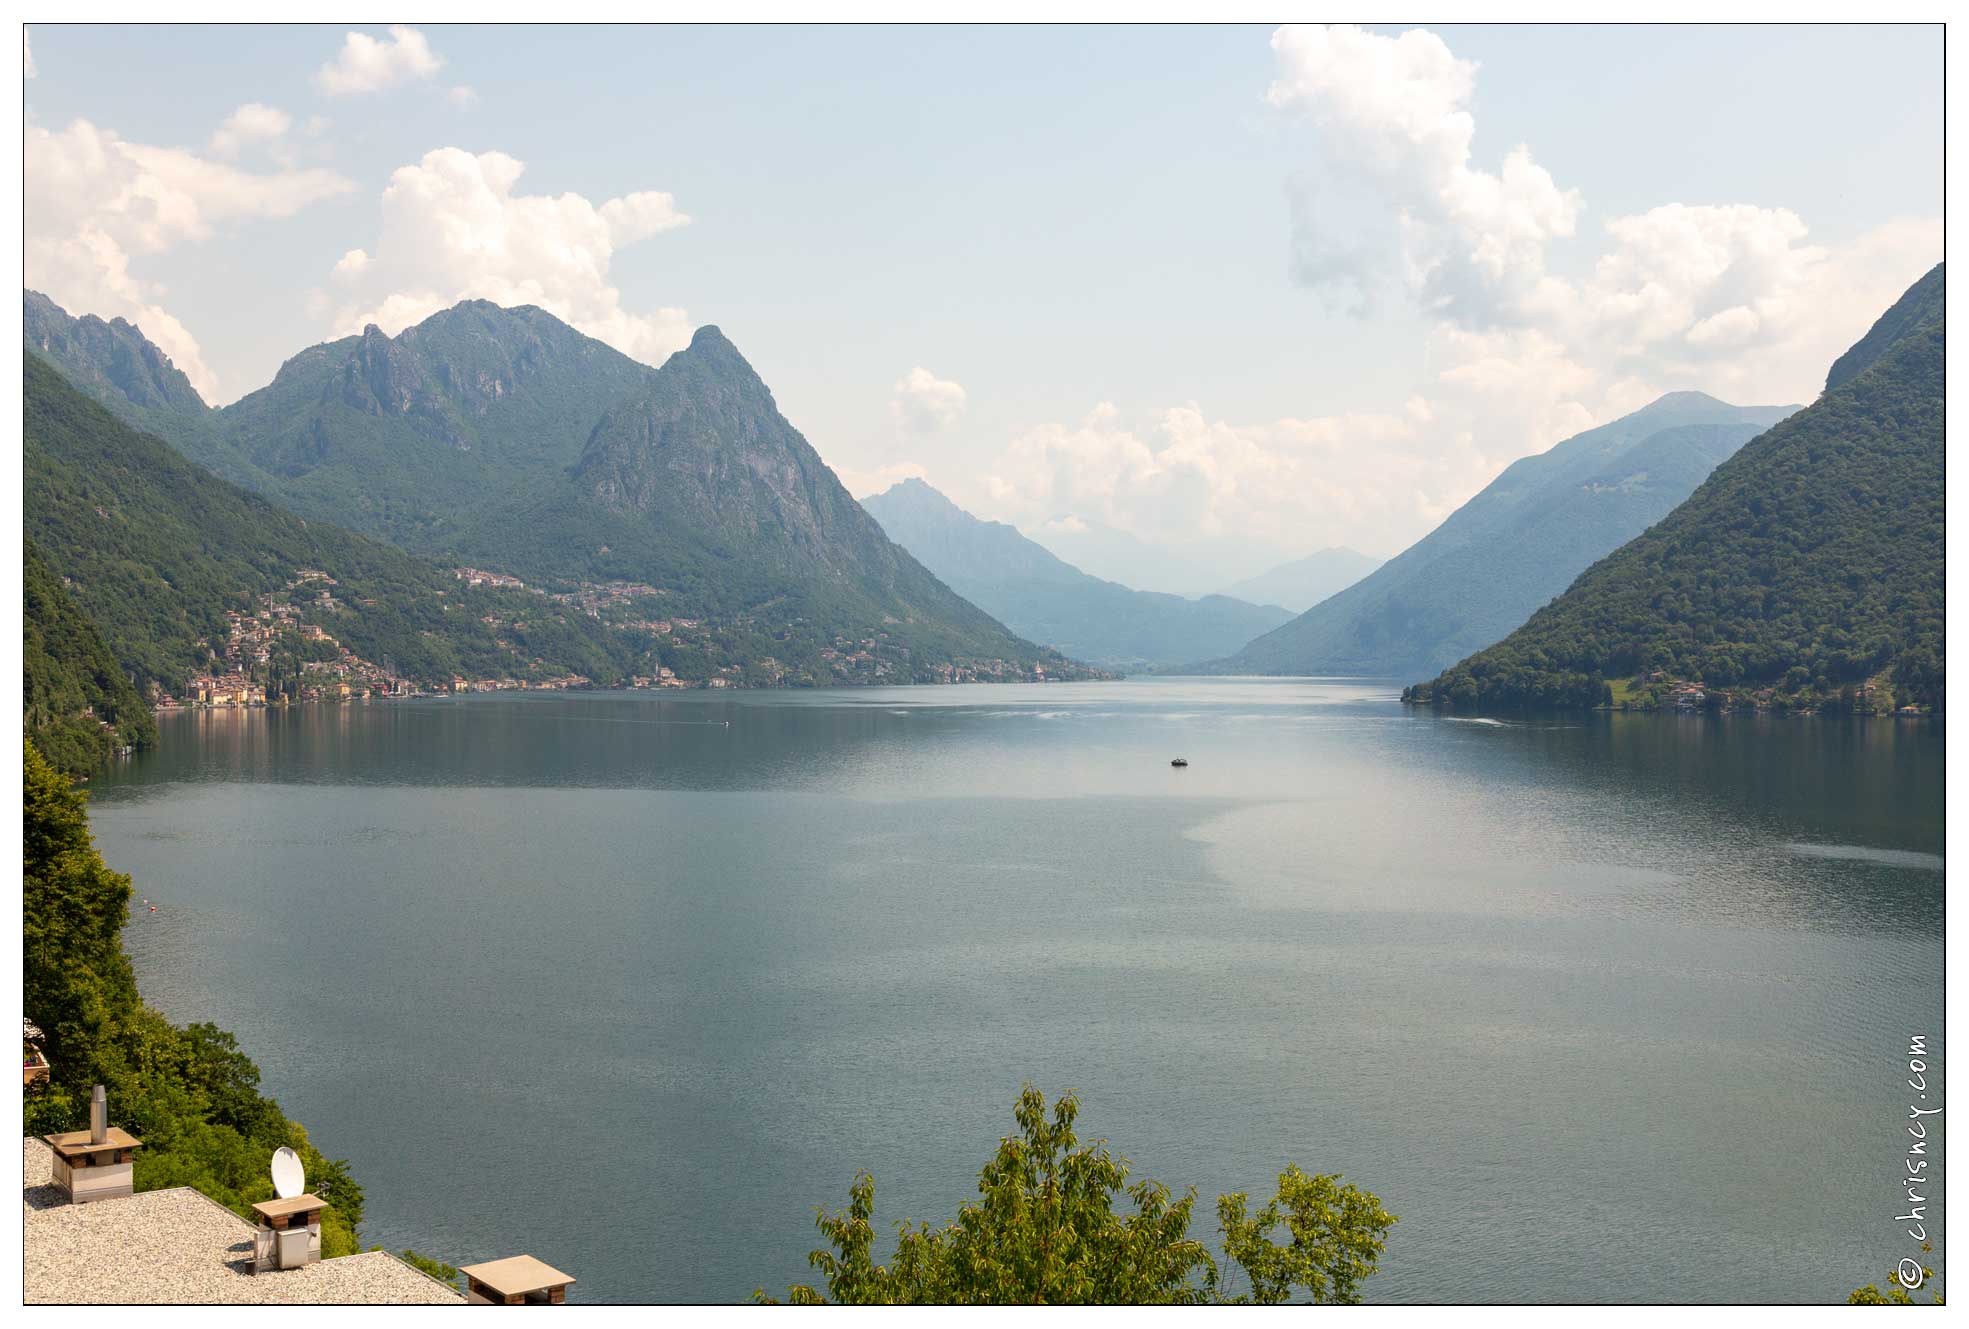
{"x":1049,"y":600}
{"x":1807,"y":571}
{"x":504,"y":439}
{"x":1304,"y":582}
{"x":1513,"y":547}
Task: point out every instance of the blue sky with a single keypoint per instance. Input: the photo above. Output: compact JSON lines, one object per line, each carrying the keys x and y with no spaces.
{"x":1150,"y":306}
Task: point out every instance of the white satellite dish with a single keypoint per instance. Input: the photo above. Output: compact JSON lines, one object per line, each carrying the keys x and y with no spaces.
{"x":288,"y":1178}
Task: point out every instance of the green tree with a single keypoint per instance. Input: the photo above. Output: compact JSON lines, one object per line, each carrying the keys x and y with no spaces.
{"x":191,"y":1095}
{"x":75,"y":979}
{"x":437,"y":1269}
{"x":1045,"y":1232}
{"x":1337,"y":1236}
{"x":1897,"y":1293}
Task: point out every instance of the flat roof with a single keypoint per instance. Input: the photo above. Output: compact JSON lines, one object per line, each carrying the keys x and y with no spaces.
{"x":77,"y":1142}
{"x":176,"y":1247}
{"x":517,"y":1273}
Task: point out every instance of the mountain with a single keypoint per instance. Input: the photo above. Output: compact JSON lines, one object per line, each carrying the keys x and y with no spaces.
{"x":414,"y":437}
{"x":1810,"y":564}
{"x":1047,"y":600}
{"x":1304,"y":582}
{"x":1918,"y":304}
{"x":404,"y":438}
{"x":157,"y":552}
{"x":1127,"y":559}
{"x":676,"y":502}
{"x":1514,"y":546}
{"x":698,"y":483}
{"x":112,"y":362}
{"x":117,"y":366}
{"x":77,"y":704}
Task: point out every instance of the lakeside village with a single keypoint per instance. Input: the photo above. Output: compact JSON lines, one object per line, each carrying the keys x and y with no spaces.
{"x":272,"y":656}
{"x":1657,"y":690}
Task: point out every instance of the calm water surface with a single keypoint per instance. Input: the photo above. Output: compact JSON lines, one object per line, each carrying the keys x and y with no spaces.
{"x":1607,"y":1009}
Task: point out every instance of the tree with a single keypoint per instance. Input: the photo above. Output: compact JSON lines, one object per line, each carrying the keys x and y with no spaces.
{"x":1338,"y":1233}
{"x":1897,"y":1293}
{"x":1045,"y":1232}
{"x":191,"y":1095}
{"x":75,"y":979}
{"x":437,"y":1269}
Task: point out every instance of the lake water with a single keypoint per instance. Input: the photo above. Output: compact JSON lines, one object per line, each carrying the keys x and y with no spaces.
{"x":1611,"y":1008}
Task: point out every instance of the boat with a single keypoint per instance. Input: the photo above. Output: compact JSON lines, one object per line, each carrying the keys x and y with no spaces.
{"x":1180,"y":761}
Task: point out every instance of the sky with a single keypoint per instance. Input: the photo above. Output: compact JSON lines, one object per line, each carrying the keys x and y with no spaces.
{"x":1180,"y":302}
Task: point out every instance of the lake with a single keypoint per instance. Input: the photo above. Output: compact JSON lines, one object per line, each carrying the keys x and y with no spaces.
{"x":1608,"y":1008}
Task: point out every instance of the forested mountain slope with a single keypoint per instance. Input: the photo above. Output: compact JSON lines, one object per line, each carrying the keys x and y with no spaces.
{"x":1808,"y":564}
{"x":1515,"y":545}
{"x":157,"y":551}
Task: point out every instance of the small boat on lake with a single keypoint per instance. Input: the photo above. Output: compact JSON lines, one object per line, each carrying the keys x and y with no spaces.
{"x":1180,"y":761}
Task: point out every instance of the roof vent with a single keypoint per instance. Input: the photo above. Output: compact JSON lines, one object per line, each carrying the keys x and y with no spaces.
{"x":518,"y":1280}
{"x":96,"y":1164}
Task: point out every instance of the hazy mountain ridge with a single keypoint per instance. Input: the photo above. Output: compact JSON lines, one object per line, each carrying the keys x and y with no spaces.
{"x":1516,"y":544}
{"x":1047,"y":599}
{"x":1304,"y":582}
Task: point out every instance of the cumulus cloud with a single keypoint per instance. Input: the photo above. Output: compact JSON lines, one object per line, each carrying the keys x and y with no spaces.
{"x":1238,"y":495}
{"x":1392,"y":117}
{"x":253,"y":123}
{"x":453,"y":228}
{"x":924,"y":404}
{"x":366,"y":64}
{"x":462,"y":97}
{"x":1686,"y":295}
{"x":97,"y":205}
{"x":1734,"y":299}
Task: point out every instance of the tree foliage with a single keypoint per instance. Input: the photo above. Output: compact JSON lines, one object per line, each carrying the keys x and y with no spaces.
{"x":77,"y":704}
{"x":438,"y":1269}
{"x":190,"y":1094}
{"x":1045,"y":1231}
{"x":1897,"y":1293}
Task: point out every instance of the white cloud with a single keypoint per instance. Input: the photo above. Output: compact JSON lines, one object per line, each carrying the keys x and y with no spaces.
{"x":27,"y":54}
{"x":1736,"y":300}
{"x":365,"y":64}
{"x":453,"y":229}
{"x":253,"y":123}
{"x":1393,"y":120}
{"x":1237,"y":496}
{"x":1726,"y":298}
{"x":639,"y":216}
{"x":924,"y":404}
{"x":462,"y":97}
{"x":352,"y":265}
{"x":97,"y":203}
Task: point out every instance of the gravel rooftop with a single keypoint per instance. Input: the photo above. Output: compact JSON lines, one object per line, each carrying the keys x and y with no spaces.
{"x":176,"y":1246}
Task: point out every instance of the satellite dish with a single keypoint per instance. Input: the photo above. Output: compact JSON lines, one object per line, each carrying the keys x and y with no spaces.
{"x":288,"y":1178}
